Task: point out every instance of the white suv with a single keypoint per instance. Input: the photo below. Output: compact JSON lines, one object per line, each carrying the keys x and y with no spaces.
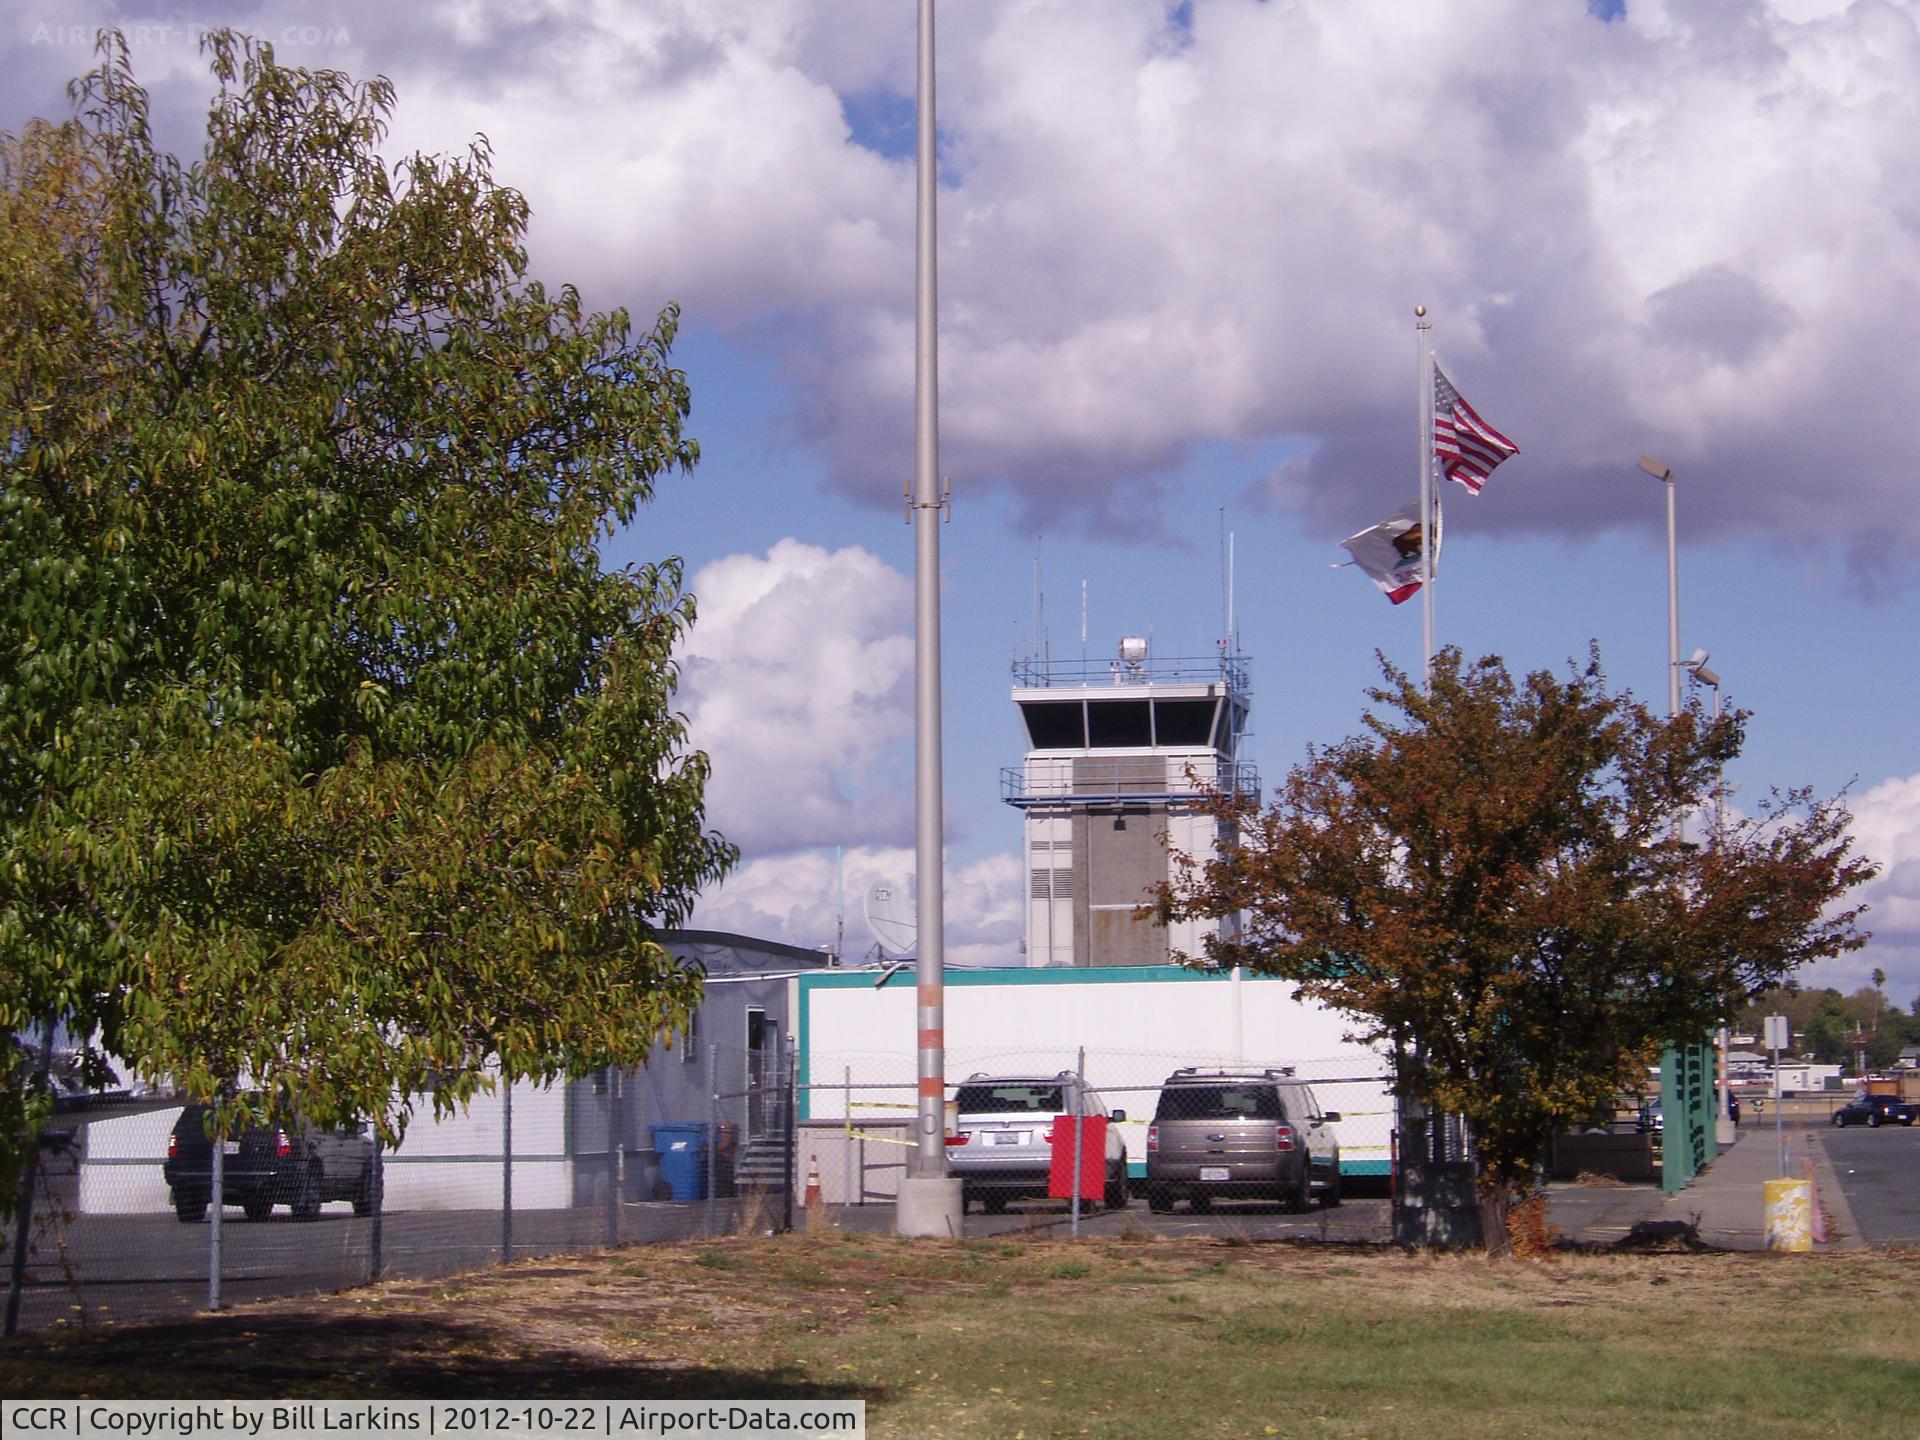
{"x":1003,"y":1145}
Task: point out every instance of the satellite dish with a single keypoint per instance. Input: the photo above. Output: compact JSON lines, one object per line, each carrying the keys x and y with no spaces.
{"x":891,"y":917}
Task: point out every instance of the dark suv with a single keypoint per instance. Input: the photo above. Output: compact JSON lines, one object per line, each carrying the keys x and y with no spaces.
{"x":1241,"y":1134}
{"x":291,"y":1164}
{"x":1876,"y":1110}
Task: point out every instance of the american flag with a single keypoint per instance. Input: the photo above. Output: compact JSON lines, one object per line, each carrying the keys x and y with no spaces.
{"x":1468,"y":447}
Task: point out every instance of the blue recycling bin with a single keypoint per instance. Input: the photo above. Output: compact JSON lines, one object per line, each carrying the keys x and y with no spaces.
{"x":683,"y":1158}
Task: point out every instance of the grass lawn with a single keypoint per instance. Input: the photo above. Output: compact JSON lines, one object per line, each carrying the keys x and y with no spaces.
{"x":1031,"y":1338}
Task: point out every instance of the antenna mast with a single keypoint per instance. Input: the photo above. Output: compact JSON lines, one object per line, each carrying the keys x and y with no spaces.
{"x":1042,"y":647}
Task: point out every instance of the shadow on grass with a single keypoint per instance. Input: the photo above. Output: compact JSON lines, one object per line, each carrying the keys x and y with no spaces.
{"x":392,"y":1357}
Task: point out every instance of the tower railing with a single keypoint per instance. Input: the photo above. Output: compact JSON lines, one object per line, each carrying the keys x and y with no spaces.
{"x":1037,"y":674}
{"x":1125,"y":779}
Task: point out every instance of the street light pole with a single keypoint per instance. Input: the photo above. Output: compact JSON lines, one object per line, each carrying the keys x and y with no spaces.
{"x":1664,"y":475}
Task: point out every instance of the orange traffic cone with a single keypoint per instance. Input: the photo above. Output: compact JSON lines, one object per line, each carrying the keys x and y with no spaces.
{"x":814,"y":1201}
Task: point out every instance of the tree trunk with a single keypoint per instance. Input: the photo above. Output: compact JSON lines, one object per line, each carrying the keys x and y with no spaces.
{"x":1496,"y":1204}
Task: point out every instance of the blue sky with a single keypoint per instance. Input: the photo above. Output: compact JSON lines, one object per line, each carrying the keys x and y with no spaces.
{"x":1181,"y":246}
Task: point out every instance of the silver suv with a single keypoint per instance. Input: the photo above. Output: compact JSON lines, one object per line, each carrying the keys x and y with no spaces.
{"x":1002,"y":1148}
{"x":1241,"y":1134}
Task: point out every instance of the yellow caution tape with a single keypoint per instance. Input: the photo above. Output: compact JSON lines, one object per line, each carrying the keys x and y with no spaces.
{"x":877,"y":1139}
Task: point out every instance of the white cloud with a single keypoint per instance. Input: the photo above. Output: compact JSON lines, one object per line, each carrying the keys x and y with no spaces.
{"x":1692,"y":231}
{"x":797,"y":681}
{"x":1886,"y":828}
{"x":793,"y":898}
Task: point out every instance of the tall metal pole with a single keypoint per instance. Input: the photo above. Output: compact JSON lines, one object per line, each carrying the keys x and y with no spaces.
{"x":1423,"y":327}
{"x":929,"y":1200}
{"x":929,"y":1156}
{"x":1673,"y":607}
{"x":1413,"y":1123}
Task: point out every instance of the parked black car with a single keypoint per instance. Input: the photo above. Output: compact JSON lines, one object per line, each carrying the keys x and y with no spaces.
{"x":1876,"y":1110}
{"x":292,"y":1164}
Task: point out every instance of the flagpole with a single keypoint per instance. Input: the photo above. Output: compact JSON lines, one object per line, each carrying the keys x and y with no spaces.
{"x":1428,"y":530}
{"x":1413,"y":1129}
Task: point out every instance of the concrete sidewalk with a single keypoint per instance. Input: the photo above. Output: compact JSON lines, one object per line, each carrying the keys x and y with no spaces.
{"x":1726,"y":1201}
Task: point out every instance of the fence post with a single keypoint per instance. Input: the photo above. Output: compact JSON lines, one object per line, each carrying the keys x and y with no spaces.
{"x":847,"y":1197}
{"x":713,"y":1131}
{"x":1079,"y":1129}
{"x":379,"y":1179}
{"x":614,"y":1118}
{"x":219,"y":1200}
{"x":506,"y":1170}
{"x":23,"y":1215}
{"x":790,"y":1056}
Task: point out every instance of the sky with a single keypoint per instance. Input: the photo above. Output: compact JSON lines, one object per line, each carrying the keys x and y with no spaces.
{"x":1180,"y":249}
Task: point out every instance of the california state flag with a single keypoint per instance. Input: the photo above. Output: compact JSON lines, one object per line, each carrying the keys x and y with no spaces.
{"x":1391,"y":552}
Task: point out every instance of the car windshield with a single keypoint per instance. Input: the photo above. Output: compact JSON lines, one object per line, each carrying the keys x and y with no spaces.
{"x":1219,"y":1102}
{"x":1014,"y":1098}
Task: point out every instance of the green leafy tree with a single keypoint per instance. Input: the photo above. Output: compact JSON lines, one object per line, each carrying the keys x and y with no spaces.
{"x":331,"y":756}
{"x":1493,"y":878}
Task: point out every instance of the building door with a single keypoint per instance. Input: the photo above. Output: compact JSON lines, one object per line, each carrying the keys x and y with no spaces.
{"x":758,"y":1107}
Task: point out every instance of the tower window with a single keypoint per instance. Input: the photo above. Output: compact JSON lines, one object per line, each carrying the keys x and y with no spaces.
{"x":1117,"y":724}
{"x":1184,"y":722}
{"x":1056,"y":724}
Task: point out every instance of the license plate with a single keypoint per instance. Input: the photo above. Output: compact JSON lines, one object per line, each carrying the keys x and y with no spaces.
{"x":1010,"y":1137}
{"x":231,"y":1147}
{"x":1215,"y":1172}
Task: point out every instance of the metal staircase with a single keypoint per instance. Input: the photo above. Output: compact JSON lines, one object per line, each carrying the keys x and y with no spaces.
{"x":762,"y":1164}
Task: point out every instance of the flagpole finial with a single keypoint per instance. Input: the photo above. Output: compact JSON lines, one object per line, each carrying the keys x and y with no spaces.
{"x":1420,"y":312}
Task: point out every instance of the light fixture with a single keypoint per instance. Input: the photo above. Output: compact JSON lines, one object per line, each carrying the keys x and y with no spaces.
{"x":1696,"y":666}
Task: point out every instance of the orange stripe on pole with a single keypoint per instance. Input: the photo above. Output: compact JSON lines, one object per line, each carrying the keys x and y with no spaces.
{"x":933,"y":1039}
{"x":933,"y":1085}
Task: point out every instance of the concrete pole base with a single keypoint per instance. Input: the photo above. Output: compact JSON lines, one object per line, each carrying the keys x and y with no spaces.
{"x":928,"y":1205}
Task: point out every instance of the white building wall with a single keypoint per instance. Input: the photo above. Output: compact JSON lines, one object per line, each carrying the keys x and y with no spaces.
{"x":1137,"y":1024}
{"x":453,"y":1163}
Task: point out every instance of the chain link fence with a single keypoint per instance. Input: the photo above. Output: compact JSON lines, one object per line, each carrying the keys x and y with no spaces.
{"x":855,"y":1125}
{"x":711,"y":1141}
{"x":133,"y":1213}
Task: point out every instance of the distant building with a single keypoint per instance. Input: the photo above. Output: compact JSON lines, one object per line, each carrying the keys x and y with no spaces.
{"x":739,"y":1036}
{"x":1807,"y":1075}
{"x":1120,"y":754}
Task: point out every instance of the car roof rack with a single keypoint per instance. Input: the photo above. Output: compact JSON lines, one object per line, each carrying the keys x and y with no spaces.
{"x":1057,"y":1075}
{"x":1220,"y":1071}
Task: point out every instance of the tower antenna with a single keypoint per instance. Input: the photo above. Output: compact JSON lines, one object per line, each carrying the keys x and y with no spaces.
{"x":1045,"y":646}
{"x":1226,"y":605}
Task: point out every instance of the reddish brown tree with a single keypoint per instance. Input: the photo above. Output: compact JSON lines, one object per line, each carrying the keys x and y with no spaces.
{"x":1524,"y":883}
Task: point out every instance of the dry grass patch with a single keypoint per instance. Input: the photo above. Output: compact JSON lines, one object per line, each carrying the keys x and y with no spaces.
{"x":1044,"y":1337}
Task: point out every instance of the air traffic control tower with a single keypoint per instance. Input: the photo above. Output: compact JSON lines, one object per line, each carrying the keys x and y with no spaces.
{"x":1118,"y":754}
